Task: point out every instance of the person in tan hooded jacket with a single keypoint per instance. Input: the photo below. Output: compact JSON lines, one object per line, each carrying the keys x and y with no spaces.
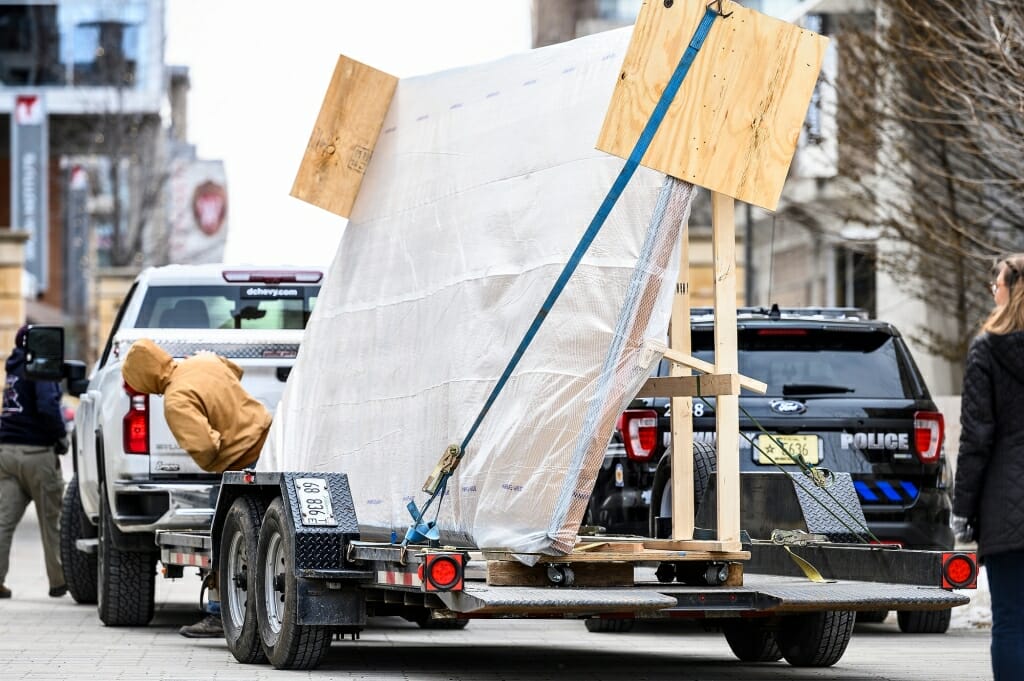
{"x":212,"y":417}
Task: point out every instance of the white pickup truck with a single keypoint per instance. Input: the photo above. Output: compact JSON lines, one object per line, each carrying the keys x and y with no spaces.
{"x":132,"y":478}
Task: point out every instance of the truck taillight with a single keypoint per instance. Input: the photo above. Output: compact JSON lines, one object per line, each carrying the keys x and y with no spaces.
{"x":928,"y":432}
{"x":136,"y":422}
{"x":639,"y":428}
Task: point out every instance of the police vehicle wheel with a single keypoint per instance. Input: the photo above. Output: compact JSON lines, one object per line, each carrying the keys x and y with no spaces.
{"x":752,"y":641}
{"x":600,"y":625}
{"x":237,"y":579}
{"x":126,"y":580}
{"x":79,"y":567}
{"x":424,"y":621}
{"x":924,"y":621}
{"x":817,"y":639}
{"x":872,"y":616}
{"x":661,"y":490}
{"x":286,"y":643}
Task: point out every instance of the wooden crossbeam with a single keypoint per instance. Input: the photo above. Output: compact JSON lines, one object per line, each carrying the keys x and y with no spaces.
{"x":706,"y":368}
{"x":691,"y":386}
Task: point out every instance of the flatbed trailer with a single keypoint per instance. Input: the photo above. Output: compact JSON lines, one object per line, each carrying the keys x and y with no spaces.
{"x":292,"y":571}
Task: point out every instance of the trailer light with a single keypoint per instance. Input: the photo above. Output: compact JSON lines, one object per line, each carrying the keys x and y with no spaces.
{"x":959,"y":571}
{"x":442,"y":571}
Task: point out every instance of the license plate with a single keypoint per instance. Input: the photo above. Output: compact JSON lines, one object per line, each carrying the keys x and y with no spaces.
{"x":769,"y":451}
{"x":314,"y":502}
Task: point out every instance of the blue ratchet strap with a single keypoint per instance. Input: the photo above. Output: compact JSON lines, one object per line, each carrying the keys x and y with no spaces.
{"x":419,"y":529}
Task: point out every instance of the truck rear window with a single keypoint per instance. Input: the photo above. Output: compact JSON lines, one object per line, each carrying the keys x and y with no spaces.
{"x":248,"y":306}
{"x":801,"y":362}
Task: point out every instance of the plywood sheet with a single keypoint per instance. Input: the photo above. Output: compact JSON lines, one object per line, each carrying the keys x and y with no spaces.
{"x":734,"y":124}
{"x":345,"y":134}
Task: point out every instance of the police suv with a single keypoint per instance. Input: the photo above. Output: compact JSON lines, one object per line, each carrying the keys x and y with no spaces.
{"x":843,"y":392}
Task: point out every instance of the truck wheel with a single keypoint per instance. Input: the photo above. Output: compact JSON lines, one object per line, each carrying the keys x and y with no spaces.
{"x":79,"y":567}
{"x":817,"y":639}
{"x":752,"y":641}
{"x":924,"y":621}
{"x":872,"y":616}
{"x":237,"y":579}
{"x":600,"y":625}
{"x":126,"y":579}
{"x":661,"y":490}
{"x":287,"y":644}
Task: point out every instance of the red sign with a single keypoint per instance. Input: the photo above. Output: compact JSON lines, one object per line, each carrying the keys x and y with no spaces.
{"x":28,"y":110}
{"x":210,"y":206}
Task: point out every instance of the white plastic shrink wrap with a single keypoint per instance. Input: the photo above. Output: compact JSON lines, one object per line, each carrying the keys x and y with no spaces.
{"x":481,"y":185}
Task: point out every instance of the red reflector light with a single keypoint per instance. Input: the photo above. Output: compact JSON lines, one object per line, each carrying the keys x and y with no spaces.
{"x":959,"y":571}
{"x":272,"y":276}
{"x":782,"y":332}
{"x":135,"y":434}
{"x":442,"y":572}
{"x":639,"y":430}
{"x":928,"y":433}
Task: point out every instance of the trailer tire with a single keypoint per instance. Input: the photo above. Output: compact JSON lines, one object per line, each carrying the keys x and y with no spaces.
{"x":872,"y":616}
{"x":237,"y":579}
{"x":816,"y":639}
{"x":79,"y":567}
{"x":601,"y":625}
{"x":286,"y":643}
{"x":661,"y":503}
{"x":126,"y":580}
{"x":924,"y":621}
{"x":752,"y":641}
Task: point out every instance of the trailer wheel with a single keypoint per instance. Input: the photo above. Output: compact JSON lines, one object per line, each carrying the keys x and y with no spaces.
{"x":924,"y":621}
{"x":287,"y":644}
{"x":79,"y":567}
{"x":661,"y":489}
{"x":602,"y":625}
{"x":126,"y":580}
{"x":817,"y":639}
{"x":752,"y":641}
{"x":237,"y":579}
{"x":872,"y":616}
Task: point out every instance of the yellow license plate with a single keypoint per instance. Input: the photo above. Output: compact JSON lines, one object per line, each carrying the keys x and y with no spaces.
{"x":769,"y":450}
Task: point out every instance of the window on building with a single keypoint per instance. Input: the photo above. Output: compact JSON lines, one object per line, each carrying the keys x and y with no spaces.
{"x":106,"y":53}
{"x":29,"y":45}
{"x":855,"y":277}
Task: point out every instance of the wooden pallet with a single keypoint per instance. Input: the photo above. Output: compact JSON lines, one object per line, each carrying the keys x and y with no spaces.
{"x":611,"y":562}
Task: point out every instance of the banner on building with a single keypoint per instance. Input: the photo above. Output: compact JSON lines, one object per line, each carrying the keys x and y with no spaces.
{"x":198,"y":211}
{"x":29,"y":200}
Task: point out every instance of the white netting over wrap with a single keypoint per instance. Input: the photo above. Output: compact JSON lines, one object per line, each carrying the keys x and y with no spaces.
{"x":482,"y":182}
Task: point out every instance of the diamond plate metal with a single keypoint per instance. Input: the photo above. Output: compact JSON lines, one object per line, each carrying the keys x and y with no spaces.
{"x":834,"y":510}
{"x":322,"y":548}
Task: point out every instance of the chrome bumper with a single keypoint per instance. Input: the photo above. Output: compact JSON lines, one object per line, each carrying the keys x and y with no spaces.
{"x":190,"y":506}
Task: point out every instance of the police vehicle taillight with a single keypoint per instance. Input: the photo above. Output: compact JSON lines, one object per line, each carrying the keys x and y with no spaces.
{"x":639,"y":428}
{"x":136,"y":422}
{"x":928,"y":432}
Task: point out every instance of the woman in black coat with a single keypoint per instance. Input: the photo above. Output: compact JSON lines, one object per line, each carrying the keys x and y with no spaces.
{"x":988,"y":500}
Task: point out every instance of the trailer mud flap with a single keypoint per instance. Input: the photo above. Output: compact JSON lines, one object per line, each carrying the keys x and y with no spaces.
{"x":318,"y":604}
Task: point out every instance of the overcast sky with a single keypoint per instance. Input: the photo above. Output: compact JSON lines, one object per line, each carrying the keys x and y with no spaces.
{"x":259,"y":72}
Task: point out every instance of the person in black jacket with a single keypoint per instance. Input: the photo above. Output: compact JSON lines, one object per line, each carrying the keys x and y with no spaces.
{"x":32,"y":436}
{"x":988,"y":499}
